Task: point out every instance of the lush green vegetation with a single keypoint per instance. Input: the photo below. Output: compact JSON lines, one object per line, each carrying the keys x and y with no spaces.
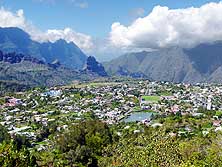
{"x":151,"y":98}
{"x":14,"y":152}
{"x":93,"y":143}
{"x":81,"y":138}
{"x":165,"y":93}
{"x":11,"y":86}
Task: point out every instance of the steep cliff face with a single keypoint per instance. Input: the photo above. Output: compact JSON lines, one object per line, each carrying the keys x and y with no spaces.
{"x":29,"y":71}
{"x":95,"y":67}
{"x":68,"y":54}
{"x":13,"y":58}
{"x":200,"y":64}
{"x":16,"y":40}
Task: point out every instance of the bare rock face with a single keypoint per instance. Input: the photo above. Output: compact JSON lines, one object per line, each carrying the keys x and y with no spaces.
{"x":202,"y":63}
{"x":30,"y":71}
{"x":95,"y":67}
{"x":13,"y":58}
{"x":13,"y":39}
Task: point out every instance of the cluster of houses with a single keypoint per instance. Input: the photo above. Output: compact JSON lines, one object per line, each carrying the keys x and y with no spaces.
{"x":188,"y":98}
{"x":111,"y":103}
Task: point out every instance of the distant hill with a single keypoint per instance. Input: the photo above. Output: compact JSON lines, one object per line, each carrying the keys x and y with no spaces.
{"x":16,"y":40}
{"x":29,"y":71}
{"x":199,"y":64}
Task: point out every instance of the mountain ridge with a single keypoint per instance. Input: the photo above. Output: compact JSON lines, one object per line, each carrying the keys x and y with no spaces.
{"x":93,"y":66}
{"x":202,"y":63}
{"x":29,"y":71}
{"x":13,"y":39}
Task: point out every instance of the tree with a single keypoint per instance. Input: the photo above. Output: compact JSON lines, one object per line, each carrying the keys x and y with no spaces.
{"x":10,"y":156}
{"x":84,"y":142}
{"x":153,"y":149}
{"x":4,"y":136}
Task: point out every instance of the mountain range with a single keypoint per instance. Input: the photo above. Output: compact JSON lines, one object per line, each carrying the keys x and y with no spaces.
{"x":61,"y":62}
{"x":16,"y":40}
{"x":27,"y":63}
{"x":30,"y":71}
{"x":202,"y":63}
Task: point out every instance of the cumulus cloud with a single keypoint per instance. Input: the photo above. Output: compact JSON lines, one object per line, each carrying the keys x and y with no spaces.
{"x":165,"y":27}
{"x":82,"y":40}
{"x":17,"y":19}
{"x":9,"y":19}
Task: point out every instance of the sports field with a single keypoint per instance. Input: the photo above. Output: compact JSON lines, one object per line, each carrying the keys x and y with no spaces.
{"x":151,"y":98}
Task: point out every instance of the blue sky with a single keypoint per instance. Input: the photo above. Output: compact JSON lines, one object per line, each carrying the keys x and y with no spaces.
{"x":95,"y":17}
{"x":109,"y":28}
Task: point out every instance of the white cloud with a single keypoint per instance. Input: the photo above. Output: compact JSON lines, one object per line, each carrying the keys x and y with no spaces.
{"x":9,"y":19}
{"x":82,"y":40}
{"x":17,"y":19}
{"x":165,"y":27}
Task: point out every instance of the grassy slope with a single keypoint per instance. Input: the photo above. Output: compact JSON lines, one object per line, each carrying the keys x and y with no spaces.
{"x":32,"y":74}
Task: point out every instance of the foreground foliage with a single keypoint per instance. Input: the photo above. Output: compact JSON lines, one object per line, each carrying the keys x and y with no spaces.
{"x":94,"y":143}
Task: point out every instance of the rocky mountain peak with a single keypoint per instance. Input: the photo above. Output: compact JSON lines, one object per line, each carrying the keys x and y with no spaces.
{"x":93,"y":66}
